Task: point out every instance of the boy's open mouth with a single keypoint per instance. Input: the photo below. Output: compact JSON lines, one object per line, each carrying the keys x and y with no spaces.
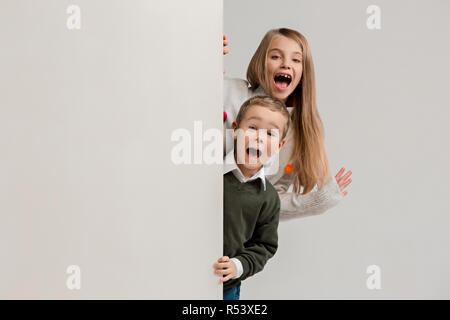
{"x":282,"y":81}
{"x":253,"y":152}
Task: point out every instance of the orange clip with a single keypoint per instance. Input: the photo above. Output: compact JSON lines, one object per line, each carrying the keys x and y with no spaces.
{"x":289,"y":168}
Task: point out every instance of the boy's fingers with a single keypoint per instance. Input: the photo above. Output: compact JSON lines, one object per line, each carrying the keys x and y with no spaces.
{"x":219,"y":262}
{"x":228,"y":277}
{"x":222,"y":265}
{"x":223,"y":271}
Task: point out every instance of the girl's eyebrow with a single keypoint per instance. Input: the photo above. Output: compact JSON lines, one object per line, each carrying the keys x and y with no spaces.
{"x":276,"y":49}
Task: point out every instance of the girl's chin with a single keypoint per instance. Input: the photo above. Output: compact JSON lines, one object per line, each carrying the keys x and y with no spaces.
{"x":280,"y":95}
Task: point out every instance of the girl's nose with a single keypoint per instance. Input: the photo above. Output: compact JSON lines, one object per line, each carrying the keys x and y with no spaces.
{"x":285,"y":64}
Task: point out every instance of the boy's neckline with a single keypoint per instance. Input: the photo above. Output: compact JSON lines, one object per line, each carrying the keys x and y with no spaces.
{"x":251,"y":175}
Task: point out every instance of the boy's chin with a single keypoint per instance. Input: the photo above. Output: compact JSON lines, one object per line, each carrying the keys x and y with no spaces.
{"x":252,"y":164}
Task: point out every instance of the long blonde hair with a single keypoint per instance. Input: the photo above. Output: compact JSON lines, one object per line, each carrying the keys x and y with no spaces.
{"x":308,"y":156}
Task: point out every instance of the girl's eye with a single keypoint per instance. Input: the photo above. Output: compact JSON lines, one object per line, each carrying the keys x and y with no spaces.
{"x":275,"y":57}
{"x":297,"y":60}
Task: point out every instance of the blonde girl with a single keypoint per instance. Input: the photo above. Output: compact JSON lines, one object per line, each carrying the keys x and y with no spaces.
{"x":282,"y":67}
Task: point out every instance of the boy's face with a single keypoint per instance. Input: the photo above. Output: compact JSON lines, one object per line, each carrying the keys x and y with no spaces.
{"x":258,"y":136}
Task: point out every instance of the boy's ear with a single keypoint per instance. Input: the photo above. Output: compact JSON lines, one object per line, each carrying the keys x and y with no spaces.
{"x":234,"y":127}
{"x":281,"y":144}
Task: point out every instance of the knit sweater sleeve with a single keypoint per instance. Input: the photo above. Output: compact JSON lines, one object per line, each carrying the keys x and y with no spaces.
{"x":315,"y":202}
{"x":264,"y":242}
{"x":235,"y":92}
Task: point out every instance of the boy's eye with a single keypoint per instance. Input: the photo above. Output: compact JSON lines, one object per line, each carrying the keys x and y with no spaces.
{"x":252,"y":127}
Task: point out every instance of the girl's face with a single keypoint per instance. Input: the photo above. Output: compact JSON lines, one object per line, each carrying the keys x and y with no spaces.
{"x":283,"y":66}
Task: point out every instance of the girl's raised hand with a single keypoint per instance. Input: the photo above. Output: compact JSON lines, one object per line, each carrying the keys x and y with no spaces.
{"x":343,"y":181}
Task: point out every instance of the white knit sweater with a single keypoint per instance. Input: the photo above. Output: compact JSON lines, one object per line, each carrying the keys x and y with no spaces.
{"x":293,"y":205}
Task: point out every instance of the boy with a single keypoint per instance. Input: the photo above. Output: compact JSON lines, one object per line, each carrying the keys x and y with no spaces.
{"x":251,"y":204}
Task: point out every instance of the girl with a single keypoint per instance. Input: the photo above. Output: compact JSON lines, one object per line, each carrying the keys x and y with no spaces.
{"x":282,"y":67}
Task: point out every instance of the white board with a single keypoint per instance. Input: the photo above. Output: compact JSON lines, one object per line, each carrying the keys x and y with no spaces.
{"x":86,"y":174}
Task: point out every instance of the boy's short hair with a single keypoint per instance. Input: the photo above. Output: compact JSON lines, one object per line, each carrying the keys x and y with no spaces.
{"x":273,"y":104}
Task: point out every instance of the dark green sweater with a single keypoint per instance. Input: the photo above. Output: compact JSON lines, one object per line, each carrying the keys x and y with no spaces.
{"x":251,"y":216}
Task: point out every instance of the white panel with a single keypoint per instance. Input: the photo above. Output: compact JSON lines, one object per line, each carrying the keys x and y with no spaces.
{"x":86,"y":176}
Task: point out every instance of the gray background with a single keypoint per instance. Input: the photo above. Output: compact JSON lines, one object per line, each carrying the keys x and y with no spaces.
{"x":384,"y":98}
{"x":86,"y":177}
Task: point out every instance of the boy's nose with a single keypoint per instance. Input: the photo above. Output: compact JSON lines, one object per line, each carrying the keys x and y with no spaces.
{"x":256,"y":141}
{"x":259,"y":138}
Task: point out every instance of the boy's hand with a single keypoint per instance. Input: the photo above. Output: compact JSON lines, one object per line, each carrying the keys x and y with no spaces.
{"x":224,"y":266}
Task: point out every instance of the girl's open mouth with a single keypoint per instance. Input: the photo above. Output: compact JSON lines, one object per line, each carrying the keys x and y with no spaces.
{"x":282,"y":81}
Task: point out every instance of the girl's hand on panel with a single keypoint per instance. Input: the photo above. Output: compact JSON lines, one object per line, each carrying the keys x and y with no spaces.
{"x":343,"y":180}
{"x":224,"y":266}
{"x":225,"y":43}
{"x":225,"y":50}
